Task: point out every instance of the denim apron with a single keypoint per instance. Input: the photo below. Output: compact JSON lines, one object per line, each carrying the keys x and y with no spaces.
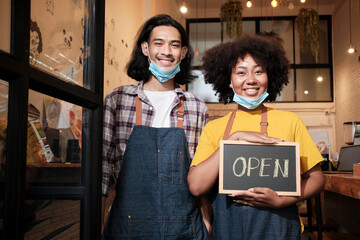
{"x":236,"y":221}
{"x":152,"y":195}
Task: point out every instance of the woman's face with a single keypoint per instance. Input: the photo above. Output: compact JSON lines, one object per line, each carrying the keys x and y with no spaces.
{"x":248,"y":79}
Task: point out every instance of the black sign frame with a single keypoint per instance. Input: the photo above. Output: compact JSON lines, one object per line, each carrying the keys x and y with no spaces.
{"x":285,"y":161}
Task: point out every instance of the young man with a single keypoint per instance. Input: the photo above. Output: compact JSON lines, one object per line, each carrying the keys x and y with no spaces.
{"x":151,"y":130}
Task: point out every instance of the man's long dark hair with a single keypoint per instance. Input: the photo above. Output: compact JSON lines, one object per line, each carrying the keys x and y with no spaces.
{"x":138,"y":66}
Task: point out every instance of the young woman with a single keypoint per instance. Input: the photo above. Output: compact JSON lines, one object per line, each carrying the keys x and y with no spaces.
{"x":249,"y":71}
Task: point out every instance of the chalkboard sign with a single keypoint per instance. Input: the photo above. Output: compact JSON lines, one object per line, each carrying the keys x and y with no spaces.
{"x":245,"y":165}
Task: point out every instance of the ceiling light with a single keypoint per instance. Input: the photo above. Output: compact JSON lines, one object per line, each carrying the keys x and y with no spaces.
{"x":248,"y":4}
{"x":183,"y":8}
{"x":319,"y":78}
{"x":302,"y":1}
{"x":291,"y":6}
{"x":306,"y":92}
{"x":274,"y":3}
{"x":351,"y":49}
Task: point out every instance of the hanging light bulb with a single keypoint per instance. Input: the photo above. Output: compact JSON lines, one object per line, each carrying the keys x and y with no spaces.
{"x":183,"y":8}
{"x":302,"y":1}
{"x":291,"y":5}
{"x":248,"y":4}
{"x":197,"y":52}
{"x":319,"y":78}
{"x":274,"y":3}
{"x":351,"y":49}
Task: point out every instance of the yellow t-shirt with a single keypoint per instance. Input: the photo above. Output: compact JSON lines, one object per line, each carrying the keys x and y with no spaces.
{"x":282,"y":124}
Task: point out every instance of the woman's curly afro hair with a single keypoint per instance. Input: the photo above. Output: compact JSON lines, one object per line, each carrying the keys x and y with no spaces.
{"x":268,"y":52}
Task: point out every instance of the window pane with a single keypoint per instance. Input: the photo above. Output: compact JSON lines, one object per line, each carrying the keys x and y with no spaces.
{"x":204,"y":36}
{"x":57,"y":38}
{"x":287,"y":94}
{"x":309,"y":88}
{"x":284,"y":29}
{"x":201,"y":89}
{"x":57,"y":218}
{"x":54,"y":140}
{"x":247,"y":27}
{"x":5,"y":23}
{"x":4,"y":93}
{"x":307,"y":57}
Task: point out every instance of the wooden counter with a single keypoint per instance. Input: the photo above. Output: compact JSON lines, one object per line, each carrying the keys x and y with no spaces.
{"x":344,"y":184}
{"x":342,"y":202}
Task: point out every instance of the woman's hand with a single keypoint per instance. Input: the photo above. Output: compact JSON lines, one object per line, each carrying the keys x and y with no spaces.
{"x":254,"y":137}
{"x":259,"y":197}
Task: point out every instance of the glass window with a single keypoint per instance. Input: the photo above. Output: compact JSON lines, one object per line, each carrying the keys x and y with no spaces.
{"x":5,"y":25}
{"x":57,"y":38}
{"x":310,"y":87}
{"x":52,"y":219}
{"x":282,"y":29}
{"x":4,"y":94}
{"x":288,"y":94}
{"x":54,"y":140}
{"x":303,"y":65}
{"x":307,"y":57}
{"x":204,"y":35}
{"x":201,"y":89}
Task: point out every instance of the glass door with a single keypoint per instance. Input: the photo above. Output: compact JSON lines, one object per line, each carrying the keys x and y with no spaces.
{"x":51,"y":91}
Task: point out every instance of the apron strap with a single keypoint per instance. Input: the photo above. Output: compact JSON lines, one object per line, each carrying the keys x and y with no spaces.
{"x":138,"y":111}
{"x":180,"y":113}
{"x":263,"y":123}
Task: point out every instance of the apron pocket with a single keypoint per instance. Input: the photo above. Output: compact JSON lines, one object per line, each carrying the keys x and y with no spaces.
{"x":171,"y":167}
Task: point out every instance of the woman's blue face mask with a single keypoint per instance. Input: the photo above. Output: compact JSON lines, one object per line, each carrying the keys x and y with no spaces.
{"x":161,"y":74}
{"x":248,"y":102}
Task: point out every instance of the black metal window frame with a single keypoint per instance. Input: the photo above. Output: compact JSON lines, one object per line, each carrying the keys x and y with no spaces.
{"x":293,"y":66}
{"x":15,"y":69}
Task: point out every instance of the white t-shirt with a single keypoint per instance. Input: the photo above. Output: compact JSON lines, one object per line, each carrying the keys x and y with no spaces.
{"x":161,"y":101}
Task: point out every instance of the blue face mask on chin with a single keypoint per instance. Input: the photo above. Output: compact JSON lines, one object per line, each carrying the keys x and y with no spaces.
{"x":249,"y":103}
{"x":161,"y":74}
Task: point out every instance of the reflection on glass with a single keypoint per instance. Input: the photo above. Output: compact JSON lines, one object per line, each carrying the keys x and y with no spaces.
{"x":52,"y":219}
{"x":5,"y":25}
{"x":54,"y":140}
{"x":4,"y":94}
{"x":307,"y":57}
{"x":282,"y":29}
{"x":308,"y":86}
{"x":57,"y":38}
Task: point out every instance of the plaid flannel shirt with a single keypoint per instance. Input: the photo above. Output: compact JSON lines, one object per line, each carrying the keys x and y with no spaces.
{"x":120,"y":119}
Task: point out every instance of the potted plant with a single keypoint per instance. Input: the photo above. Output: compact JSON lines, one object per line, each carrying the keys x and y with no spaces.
{"x":231,"y":14}
{"x":307,"y":23}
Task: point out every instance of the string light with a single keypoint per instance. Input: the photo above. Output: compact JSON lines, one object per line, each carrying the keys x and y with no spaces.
{"x":274,"y":3}
{"x":291,"y":5}
{"x":183,"y":8}
{"x":248,"y":4}
{"x":351,"y":49}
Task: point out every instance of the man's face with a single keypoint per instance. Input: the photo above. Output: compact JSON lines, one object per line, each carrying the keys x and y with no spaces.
{"x":164,"y":47}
